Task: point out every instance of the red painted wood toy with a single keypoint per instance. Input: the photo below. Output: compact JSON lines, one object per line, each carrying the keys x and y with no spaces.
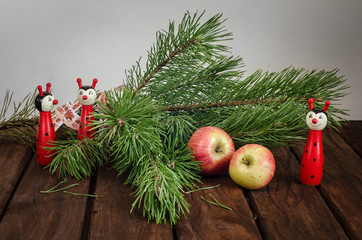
{"x":311,"y":168}
{"x":44,"y":102}
{"x":87,"y":97}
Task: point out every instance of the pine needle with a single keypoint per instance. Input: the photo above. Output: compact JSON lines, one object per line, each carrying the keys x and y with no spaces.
{"x":216,"y":203}
{"x":54,"y":189}
{"x":60,"y":189}
{"x":201,"y":189}
{"x":51,"y":189}
{"x":83,"y":194}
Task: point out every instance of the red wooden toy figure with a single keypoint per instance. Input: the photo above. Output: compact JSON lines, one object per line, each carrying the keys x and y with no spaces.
{"x":311,"y":168}
{"x":44,"y":102}
{"x":87,"y":97}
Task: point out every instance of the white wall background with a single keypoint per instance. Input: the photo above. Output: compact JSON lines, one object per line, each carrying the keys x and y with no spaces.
{"x":60,"y":40}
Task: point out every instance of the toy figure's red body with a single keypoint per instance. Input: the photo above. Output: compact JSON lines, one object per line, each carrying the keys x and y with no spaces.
{"x":46,"y":134}
{"x":86,"y":118}
{"x":311,"y":169}
{"x":44,"y":102}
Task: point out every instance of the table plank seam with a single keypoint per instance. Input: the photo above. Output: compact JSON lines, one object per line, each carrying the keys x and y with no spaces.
{"x":349,"y":144}
{"x":342,"y":132}
{"x":28,"y":160}
{"x":335,"y":214}
{"x":254,"y":212}
{"x":89,"y":207}
{"x":174,"y":233}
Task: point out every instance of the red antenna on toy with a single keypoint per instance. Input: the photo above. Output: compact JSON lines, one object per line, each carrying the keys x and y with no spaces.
{"x":48,"y":87}
{"x":40,"y":91}
{"x":310,"y":102}
{"x":79,"y":82}
{"x":94,"y":82}
{"x":326,"y":105}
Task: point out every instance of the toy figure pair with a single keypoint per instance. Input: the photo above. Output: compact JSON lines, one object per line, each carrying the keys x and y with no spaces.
{"x":45,"y":102}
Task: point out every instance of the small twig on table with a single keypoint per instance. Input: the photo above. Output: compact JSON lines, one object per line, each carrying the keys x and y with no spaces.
{"x":60,"y":189}
{"x":201,"y":189}
{"x":216,"y":203}
{"x":83,"y":194}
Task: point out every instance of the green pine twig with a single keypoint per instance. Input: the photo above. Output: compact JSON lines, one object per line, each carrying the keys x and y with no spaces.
{"x":202,"y":189}
{"x":56,"y":189}
{"x":83,"y":194}
{"x":216,"y":203}
{"x":57,"y":185}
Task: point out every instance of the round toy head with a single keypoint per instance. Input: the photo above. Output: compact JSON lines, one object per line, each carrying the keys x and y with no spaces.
{"x":86,"y":94}
{"x":317,"y":118}
{"x":44,"y":101}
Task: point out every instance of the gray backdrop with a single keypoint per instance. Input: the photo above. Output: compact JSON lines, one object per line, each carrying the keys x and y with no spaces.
{"x":60,"y":40}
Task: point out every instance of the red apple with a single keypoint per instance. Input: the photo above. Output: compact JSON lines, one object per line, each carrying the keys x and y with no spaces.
{"x":213,"y":148}
{"x":252,"y":166}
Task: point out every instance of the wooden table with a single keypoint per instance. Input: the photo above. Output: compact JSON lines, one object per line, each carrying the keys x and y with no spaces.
{"x":285,"y":209}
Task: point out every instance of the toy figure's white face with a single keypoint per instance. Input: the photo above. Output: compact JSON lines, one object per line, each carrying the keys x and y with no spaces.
{"x":316,"y":121}
{"x":47,"y":103}
{"x":87,"y":97}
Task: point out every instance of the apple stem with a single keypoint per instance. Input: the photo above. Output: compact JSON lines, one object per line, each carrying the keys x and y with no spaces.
{"x":244,"y":161}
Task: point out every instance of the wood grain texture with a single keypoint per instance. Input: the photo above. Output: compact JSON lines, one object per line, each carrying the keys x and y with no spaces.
{"x":33,"y":215}
{"x":13,"y":159}
{"x":286,"y":209}
{"x":341,"y":185}
{"x":111,"y":218}
{"x":207,"y":221}
{"x":352,"y":133}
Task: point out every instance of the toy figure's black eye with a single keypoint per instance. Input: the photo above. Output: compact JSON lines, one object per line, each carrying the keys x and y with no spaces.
{"x":49,"y":99}
{"x":90,"y":93}
{"x":311,"y":115}
{"x":81,"y":93}
{"x":321,"y":117}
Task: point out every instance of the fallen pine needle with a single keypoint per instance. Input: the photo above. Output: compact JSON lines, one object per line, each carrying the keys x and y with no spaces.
{"x":216,"y":203}
{"x":53,"y":190}
{"x":201,"y":189}
{"x":60,"y":189}
{"x":83,"y":194}
{"x":50,"y":190}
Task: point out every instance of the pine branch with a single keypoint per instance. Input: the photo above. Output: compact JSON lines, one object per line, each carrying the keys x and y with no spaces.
{"x":77,"y":158}
{"x":151,"y":147}
{"x":209,"y":87}
{"x":158,"y":68}
{"x":189,"y":42}
{"x":20,"y":126}
{"x":262,"y":95}
{"x":22,"y":110}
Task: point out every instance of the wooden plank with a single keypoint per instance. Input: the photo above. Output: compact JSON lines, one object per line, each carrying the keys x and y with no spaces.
{"x":111,"y":218}
{"x":33,"y":215}
{"x":341,"y":185}
{"x":14,"y":157}
{"x":286,"y":209}
{"x":352,"y":133}
{"x":207,"y":221}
